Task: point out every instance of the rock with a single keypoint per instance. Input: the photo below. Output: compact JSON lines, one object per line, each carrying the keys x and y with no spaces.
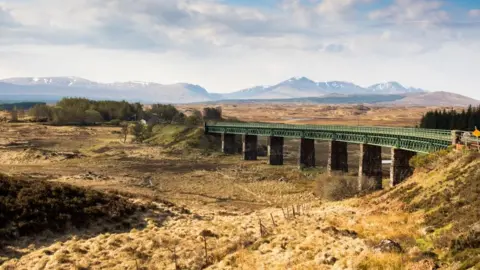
{"x":388,"y":245}
{"x":427,"y":230}
{"x":331,"y":260}
{"x":325,"y":258}
{"x":475,"y":227}
{"x":197,"y":217}
{"x":334,"y":231}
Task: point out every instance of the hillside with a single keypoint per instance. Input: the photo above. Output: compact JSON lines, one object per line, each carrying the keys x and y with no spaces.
{"x":435,"y":99}
{"x":30,"y":207}
{"x":180,"y":137}
{"x":250,"y":215}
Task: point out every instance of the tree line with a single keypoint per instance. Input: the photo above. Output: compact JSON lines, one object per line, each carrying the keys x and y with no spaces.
{"x":451,"y":119}
{"x":18,"y":106}
{"x":82,"y":111}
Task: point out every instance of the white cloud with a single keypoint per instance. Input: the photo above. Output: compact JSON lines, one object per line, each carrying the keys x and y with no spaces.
{"x":474,"y":13}
{"x":225,"y":47}
{"x":338,"y":8}
{"x":424,"y":12}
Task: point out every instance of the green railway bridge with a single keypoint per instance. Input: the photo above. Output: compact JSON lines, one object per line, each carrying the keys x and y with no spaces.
{"x":404,"y":142}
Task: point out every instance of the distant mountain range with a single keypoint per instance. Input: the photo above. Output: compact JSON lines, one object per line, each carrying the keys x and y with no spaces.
{"x":54,"y":88}
{"x":304,"y":87}
{"x":292,"y":90}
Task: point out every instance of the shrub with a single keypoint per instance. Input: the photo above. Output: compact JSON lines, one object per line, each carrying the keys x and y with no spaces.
{"x":28,"y":207}
{"x":114,"y":122}
{"x":428,"y":161}
{"x":194,"y":119}
{"x":179,"y":118}
{"x":212,"y":113}
{"x":470,"y":240}
{"x":14,"y":115}
{"x":336,"y":187}
{"x":92,"y":117}
{"x":40,"y":112}
{"x":166,"y":113}
{"x":139,"y":132}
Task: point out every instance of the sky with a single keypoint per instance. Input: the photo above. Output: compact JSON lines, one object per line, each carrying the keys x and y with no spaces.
{"x":228,"y":45}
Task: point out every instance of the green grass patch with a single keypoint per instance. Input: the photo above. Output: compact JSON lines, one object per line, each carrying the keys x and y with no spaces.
{"x":180,"y":137}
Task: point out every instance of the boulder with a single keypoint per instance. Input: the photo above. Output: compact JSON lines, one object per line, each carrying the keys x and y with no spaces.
{"x":388,"y":245}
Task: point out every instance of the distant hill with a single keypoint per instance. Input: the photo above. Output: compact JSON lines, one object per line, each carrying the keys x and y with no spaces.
{"x":330,"y":99}
{"x":435,"y":99}
{"x":55,"y":88}
{"x":296,"y":89}
{"x":416,"y":99}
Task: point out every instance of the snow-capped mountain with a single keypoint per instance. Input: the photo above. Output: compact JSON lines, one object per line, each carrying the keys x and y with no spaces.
{"x":295,"y":88}
{"x":57,"y":87}
{"x":392,"y":88}
{"x":246,"y":93}
{"x":51,"y":81}
{"x":340,"y":87}
{"x":303,"y":87}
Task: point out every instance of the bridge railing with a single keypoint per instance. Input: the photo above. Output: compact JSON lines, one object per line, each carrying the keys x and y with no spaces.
{"x":444,"y":135}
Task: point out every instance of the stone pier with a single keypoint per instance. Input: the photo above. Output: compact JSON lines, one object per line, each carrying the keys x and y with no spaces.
{"x":229,"y":144}
{"x":250,"y":144}
{"x":275,"y":150}
{"x":338,"y":157}
{"x":307,"y":153}
{"x":400,"y":168}
{"x":370,"y":166}
{"x":216,"y":139}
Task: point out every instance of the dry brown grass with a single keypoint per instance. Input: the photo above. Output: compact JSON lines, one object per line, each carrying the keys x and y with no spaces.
{"x":322,"y":114}
{"x":225,"y":195}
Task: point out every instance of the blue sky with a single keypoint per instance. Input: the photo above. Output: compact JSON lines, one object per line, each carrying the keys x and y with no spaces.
{"x":227,"y":45}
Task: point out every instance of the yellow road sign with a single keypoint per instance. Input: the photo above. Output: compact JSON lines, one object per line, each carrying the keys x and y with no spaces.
{"x":476,"y":133}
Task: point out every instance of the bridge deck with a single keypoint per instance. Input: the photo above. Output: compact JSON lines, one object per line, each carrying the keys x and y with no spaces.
{"x":413,"y":139}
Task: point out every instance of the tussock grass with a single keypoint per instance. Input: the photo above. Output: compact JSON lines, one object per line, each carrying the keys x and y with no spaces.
{"x":28,"y":207}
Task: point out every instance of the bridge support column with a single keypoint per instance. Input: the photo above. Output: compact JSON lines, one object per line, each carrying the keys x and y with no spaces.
{"x":307,"y":153}
{"x":400,"y":168}
{"x":228,"y":144}
{"x":250,"y":143}
{"x":275,"y":150}
{"x":338,"y":157}
{"x":370,"y":166}
{"x":216,"y":139}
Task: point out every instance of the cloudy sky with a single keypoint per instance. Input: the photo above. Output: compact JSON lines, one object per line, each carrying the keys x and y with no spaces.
{"x":227,"y":45}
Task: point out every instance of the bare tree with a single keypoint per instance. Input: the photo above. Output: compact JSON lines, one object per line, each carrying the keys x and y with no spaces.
{"x":21,"y":114}
{"x":14,"y":114}
{"x":205,"y":234}
{"x":171,"y":243}
{"x":124,"y":131}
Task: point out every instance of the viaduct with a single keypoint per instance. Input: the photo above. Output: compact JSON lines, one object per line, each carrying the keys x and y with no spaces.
{"x":404,"y":142}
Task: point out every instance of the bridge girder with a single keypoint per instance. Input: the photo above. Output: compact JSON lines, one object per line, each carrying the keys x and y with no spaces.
{"x":400,"y":138}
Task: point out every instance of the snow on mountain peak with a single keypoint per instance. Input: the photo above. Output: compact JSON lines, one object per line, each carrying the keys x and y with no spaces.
{"x":140,"y":83}
{"x":393,"y":88}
